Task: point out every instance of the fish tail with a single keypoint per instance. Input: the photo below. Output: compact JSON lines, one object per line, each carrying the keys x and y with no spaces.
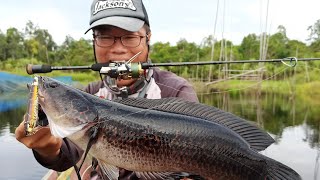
{"x":279,"y":171}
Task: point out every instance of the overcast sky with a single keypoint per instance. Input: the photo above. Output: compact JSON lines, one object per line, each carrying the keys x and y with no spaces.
{"x":172,"y":20}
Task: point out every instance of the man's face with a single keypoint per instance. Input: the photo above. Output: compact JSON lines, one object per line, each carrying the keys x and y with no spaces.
{"x":117,"y":51}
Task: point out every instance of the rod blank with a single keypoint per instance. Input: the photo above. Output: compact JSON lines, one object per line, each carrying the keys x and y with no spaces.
{"x":31,"y":69}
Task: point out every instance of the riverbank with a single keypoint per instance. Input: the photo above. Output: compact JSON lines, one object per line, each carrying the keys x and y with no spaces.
{"x":18,"y":67}
{"x":298,"y":85}
{"x":83,"y":77}
{"x":308,"y":91}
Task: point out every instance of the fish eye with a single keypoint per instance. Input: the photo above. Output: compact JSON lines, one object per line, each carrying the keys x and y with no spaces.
{"x":53,"y":84}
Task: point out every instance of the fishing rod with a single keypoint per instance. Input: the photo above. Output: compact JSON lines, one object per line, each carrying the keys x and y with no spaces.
{"x":125,"y":70}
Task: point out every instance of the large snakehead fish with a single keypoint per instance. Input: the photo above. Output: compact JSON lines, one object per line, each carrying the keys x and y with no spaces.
{"x":160,"y":138}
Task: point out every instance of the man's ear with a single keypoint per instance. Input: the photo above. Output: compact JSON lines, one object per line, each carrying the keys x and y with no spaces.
{"x":148,"y":38}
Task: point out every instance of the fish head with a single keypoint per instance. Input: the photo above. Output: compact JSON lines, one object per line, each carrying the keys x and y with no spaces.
{"x":68,"y":109}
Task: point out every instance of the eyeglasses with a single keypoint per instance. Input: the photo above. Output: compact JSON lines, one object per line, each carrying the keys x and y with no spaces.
{"x":126,"y":40}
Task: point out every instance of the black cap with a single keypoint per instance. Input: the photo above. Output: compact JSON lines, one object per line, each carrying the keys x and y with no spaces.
{"x":125,"y":14}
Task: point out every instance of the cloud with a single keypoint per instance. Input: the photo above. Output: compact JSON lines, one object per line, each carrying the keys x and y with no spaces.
{"x":59,"y":21}
{"x":172,"y":20}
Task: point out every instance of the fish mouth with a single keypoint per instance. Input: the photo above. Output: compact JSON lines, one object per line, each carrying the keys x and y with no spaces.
{"x":56,"y":129}
{"x":41,"y":99}
{"x":62,"y":132}
{"x":42,"y":92}
{"x":66,"y":109}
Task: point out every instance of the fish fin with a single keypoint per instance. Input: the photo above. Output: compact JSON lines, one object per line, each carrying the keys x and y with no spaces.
{"x":112,"y":172}
{"x":256,"y":138}
{"x":161,"y":175}
{"x":279,"y":171}
{"x":166,"y":175}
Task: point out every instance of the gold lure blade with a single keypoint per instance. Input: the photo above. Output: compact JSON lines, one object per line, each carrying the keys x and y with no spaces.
{"x":32,"y":108}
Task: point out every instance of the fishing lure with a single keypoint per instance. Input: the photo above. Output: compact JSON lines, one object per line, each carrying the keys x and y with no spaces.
{"x":32,"y":116}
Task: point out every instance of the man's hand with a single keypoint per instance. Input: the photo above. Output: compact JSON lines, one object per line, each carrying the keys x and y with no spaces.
{"x":42,"y":141}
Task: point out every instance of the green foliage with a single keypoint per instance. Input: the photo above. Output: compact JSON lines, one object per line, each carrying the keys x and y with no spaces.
{"x":18,"y":66}
{"x":82,"y":77}
{"x":314,"y":31}
{"x":315,"y":47}
{"x":249,"y":47}
{"x":3,"y":45}
{"x":297,"y":49}
{"x":163,"y":52}
{"x":14,"y":47}
{"x":277,"y":46}
{"x":36,"y":45}
{"x":74,"y":52}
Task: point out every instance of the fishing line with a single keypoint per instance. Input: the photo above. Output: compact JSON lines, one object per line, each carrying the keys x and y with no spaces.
{"x":85,"y":171}
{"x":218,"y":92}
{"x":248,"y":87}
{"x":293,"y":63}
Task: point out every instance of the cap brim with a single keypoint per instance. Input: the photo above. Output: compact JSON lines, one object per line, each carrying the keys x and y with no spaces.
{"x":127,"y":23}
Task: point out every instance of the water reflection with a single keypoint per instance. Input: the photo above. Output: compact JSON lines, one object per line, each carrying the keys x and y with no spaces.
{"x":270,"y":111}
{"x":13,"y":89}
{"x":292,"y":150}
{"x":11,"y":119}
{"x":12,"y":101}
{"x":17,"y":162}
{"x":292,"y":122}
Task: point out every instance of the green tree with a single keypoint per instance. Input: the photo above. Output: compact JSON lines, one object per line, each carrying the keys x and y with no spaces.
{"x":314,"y":31}
{"x":46,"y":43}
{"x":277,"y":46}
{"x":39,"y":42}
{"x":32,"y":47}
{"x":3,"y":45}
{"x":187,"y":51}
{"x":297,"y":49}
{"x":62,"y":51}
{"x":249,"y":47}
{"x":78,"y":52}
{"x":163,"y":52}
{"x":314,"y":38}
{"x":14,"y":41}
{"x":29,"y":30}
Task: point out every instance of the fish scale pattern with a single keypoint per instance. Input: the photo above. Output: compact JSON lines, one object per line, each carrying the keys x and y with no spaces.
{"x":257,"y":139}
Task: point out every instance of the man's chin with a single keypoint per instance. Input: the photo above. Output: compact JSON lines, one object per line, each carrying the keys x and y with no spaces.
{"x":121,"y":82}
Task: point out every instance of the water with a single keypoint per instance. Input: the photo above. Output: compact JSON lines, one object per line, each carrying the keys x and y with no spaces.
{"x":294,"y":123}
{"x":17,"y":162}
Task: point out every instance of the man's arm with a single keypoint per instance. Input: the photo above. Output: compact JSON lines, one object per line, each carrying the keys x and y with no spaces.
{"x":68,"y":156}
{"x":188,"y":93}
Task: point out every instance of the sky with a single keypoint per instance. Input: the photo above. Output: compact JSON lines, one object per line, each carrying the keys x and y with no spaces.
{"x":172,"y":20}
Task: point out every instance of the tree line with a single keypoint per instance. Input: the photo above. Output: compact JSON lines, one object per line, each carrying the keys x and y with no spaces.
{"x":37,"y":44}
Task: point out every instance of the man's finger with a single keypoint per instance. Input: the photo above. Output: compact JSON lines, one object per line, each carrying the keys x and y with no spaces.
{"x":20,"y":132}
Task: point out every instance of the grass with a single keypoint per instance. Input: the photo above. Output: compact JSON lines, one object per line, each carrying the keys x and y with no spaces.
{"x":18,"y":67}
{"x":308,"y":91}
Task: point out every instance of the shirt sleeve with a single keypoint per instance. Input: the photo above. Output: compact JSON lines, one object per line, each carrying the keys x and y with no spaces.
{"x":188,"y":93}
{"x":172,"y":85}
{"x":69,"y":155}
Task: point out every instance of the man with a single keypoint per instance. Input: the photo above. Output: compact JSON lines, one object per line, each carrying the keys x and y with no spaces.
{"x":121,"y":31}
